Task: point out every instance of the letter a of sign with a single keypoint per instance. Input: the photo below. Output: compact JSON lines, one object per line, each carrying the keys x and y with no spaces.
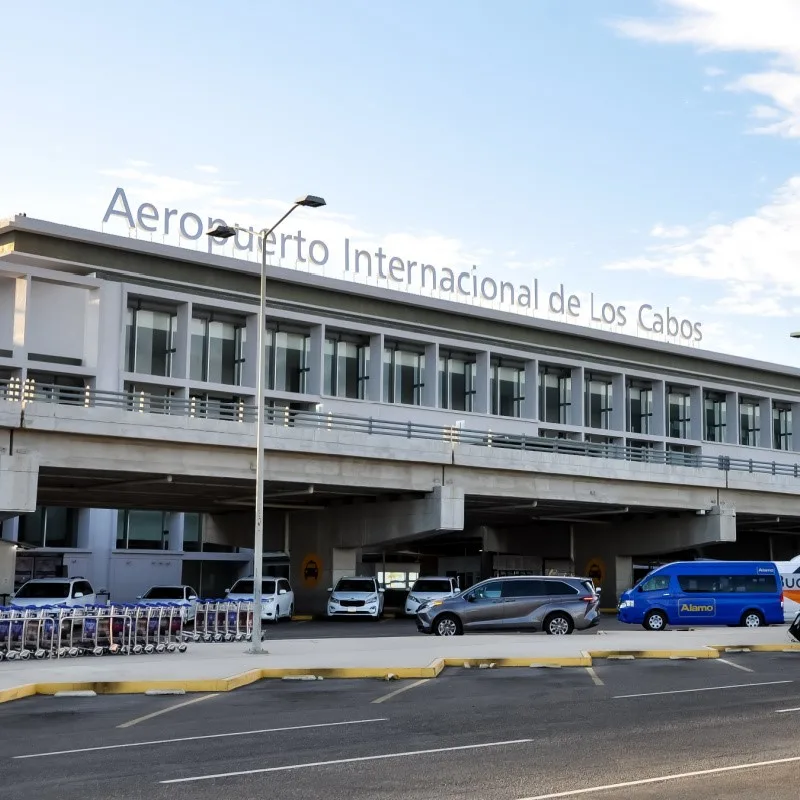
{"x":112,"y":212}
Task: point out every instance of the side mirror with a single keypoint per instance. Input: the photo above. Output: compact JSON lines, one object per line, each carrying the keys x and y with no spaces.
{"x":138,"y":596}
{"x":330,"y":588}
{"x":78,"y":595}
{"x":381,"y":590}
{"x":281,"y":591}
{"x":228,"y":591}
{"x":638,"y":588}
{"x":470,"y":598}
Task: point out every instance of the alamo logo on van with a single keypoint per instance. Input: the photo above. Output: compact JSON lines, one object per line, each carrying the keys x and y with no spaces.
{"x":765,"y":571}
{"x":704,"y":607}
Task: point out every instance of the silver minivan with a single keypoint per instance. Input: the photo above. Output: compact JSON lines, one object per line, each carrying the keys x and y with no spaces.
{"x":556,"y":605}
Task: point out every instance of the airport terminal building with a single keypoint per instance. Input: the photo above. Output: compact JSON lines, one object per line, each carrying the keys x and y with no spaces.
{"x":406,"y":434}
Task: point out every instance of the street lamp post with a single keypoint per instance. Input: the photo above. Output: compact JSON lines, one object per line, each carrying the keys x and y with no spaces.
{"x":225,"y":232}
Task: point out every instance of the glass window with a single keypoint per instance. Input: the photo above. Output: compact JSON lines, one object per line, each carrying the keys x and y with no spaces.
{"x":355,"y":585}
{"x":457,"y":379}
{"x":150,"y":341}
{"x":559,"y":588}
{"x":749,"y":421}
{"x":598,"y":402}
{"x":726,"y":584}
{"x":658,"y":583}
{"x":43,"y":591}
{"x":555,"y":395}
{"x":508,"y":390}
{"x":716,"y":412}
{"x":403,"y":372}
{"x":488,"y":591}
{"x":679,"y":414}
{"x":431,"y":585}
{"x":53,"y":526}
{"x":525,"y":588}
{"x":164,"y":593}
{"x":247,"y":586}
{"x":141,"y":530}
{"x":782,"y":426}
{"x":640,"y":409}
{"x":346,"y":369}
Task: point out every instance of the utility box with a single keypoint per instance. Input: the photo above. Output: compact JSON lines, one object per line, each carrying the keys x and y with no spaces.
{"x":8,"y":567}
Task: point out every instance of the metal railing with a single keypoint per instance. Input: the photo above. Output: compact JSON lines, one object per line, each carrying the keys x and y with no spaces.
{"x":240,"y":411}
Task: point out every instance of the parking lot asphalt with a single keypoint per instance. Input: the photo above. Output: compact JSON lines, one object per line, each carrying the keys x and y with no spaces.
{"x":503,"y":734}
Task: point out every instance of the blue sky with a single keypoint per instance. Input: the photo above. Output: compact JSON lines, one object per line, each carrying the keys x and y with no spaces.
{"x":643,"y":151}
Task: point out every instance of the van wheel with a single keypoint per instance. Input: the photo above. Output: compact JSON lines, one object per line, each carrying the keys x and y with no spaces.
{"x":655,"y":621}
{"x":448,"y":625}
{"x":558,"y":624}
{"x":752,"y":619}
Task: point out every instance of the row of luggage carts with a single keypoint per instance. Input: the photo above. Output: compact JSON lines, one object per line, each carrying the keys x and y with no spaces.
{"x":120,"y":629}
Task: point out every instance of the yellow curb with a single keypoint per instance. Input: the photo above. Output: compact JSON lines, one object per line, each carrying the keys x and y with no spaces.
{"x":302,"y":618}
{"x":17,"y":692}
{"x":706,"y":652}
{"x":584,"y":660}
{"x":760,"y":648}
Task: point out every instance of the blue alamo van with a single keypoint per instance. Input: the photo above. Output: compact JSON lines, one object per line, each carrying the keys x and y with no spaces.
{"x":747,"y":593}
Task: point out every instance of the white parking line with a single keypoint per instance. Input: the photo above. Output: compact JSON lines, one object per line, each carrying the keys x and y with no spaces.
{"x":201,"y":738}
{"x":354,"y":760}
{"x":704,"y":689}
{"x":402,"y":689}
{"x":167,"y":710}
{"x":594,"y":676}
{"x":786,"y":710}
{"x":731,"y":664}
{"x":663,"y":778}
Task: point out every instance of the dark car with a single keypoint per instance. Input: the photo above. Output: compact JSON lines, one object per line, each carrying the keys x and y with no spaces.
{"x":311,"y":570}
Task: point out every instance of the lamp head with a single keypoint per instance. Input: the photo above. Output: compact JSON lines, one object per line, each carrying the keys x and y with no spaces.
{"x":310,"y":201}
{"x":222,"y":232}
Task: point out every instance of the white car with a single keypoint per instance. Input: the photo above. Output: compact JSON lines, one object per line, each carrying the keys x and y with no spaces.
{"x":184,"y":596}
{"x":69,"y":592}
{"x":277,"y":597}
{"x":354,"y":597}
{"x":430,"y":588}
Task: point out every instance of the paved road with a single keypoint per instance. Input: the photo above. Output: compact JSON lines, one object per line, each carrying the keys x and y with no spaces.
{"x":503,"y":734}
{"x":362,"y":628}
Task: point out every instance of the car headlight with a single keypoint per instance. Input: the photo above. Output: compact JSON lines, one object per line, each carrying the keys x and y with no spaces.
{"x":414,"y":599}
{"x":333,"y":600}
{"x":267,"y":599}
{"x":626,"y":604}
{"x":433,"y":603}
{"x":373,"y":598}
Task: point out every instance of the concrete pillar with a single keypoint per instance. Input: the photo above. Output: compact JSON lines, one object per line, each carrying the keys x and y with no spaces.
{"x":795,"y":426}
{"x":375,"y":382}
{"x":697,"y":412}
{"x":619,"y":402}
{"x":530,"y":407}
{"x":250,"y":366}
{"x":316,"y":360}
{"x":765,"y":432}
{"x":658,"y":422}
{"x":483,"y":383}
{"x":107,"y":322}
{"x":732,"y":423}
{"x":430,"y":390}
{"x":183,"y":342}
{"x":97,"y":532}
{"x":22,"y":302}
{"x":175,"y":523}
{"x":577,"y":414}
{"x":596,"y":557}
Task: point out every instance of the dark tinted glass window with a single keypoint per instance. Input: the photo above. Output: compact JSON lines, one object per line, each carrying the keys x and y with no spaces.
{"x":164,"y":593}
{"x":427,"y":585}
{"x":559,"y":588}
{"x":491,"y":590}
{"x":45,"y":590}
{"x":350,"y":585}
{"x":658,"y":583}
{"x":524,"y":588}
{"x":246,"y":587}
{"x":723,"y":584}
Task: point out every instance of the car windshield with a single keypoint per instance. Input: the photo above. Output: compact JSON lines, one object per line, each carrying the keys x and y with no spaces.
{"x":246,"y":587}
{"x":354,"y":585}
{"x":431,"y":585}
{"x":45,"y":590}
{"x":164,"y":593}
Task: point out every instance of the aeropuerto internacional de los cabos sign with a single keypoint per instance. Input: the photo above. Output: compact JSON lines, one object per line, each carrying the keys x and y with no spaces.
{"x":525,"y":298}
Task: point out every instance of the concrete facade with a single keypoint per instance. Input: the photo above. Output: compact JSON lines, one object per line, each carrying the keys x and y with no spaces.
{"x":122,"y":359}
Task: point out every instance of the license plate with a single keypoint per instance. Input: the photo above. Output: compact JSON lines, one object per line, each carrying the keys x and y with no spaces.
{"x":351,"y":610}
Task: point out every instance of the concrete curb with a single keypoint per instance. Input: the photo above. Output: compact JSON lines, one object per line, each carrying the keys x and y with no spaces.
{"x":433,"y":670}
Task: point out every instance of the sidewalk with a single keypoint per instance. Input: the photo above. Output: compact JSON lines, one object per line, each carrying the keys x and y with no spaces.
{"x":223,"y":667}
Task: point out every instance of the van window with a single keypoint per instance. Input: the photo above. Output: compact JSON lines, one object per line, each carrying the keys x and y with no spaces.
{"x":656,"y":584}
{"x":725,"y":584}
{"x":525,"y":588}
{"x":489,"y":590}
{"x":431,"y":585}
{"x":559,"y":588}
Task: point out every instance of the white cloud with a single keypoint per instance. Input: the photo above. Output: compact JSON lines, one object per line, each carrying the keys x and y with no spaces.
{"x":661,"y":231}
{"x":714,"y":72}
{"x":766,"y":27}
{"x":140,"y":164}
{"x":207,"y":168}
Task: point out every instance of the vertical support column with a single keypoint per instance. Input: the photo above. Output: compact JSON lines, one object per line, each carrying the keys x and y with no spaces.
{"x":375,"y":382}
{"x":430,"y":389}
{"x":250,"y":369}
{"x":658,"y":422}
{"x":577,"y":411}
{"x":764,"y":437}
{"x":696,"y":410}
{"x":183,"y":342}
{"x":316,"y":360}
{"x":106,"y":322}
{"x":795,"y":427}
{"x":732,"y":422}
{"x":619,"y":403}
{"x":97,"y":532}
{"x":530,"y":407}
{"x":22,"y":305}
{"x":483,"y":404}
{"x":175,"y":527}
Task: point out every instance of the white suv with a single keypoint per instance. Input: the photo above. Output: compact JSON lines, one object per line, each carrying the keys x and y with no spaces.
{"x":277,"y":597}
{"x":70,"y":592}
{"x":430,"y":588}
{"x":356,"y":597}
